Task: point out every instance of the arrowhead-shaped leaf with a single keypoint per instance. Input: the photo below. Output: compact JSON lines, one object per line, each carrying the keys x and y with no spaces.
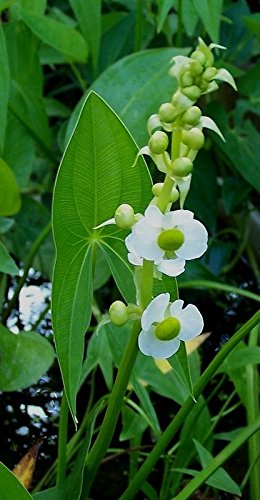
{"x":95,"y":177}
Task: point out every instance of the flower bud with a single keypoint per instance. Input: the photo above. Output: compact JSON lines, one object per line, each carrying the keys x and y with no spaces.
{"x":124,"y":216}
{"x":193,"y":92}
{"x":181,"y":167}
{"x":168,"y":329}
{"x":157,"y":189}
{"x":153,"y":124}
{"x":193,"y":138}
{"x":170,"y":239}
{"x":209,"y":73}
{"x":118,"y":313}
{"x":196,"y":68}
{"x":174,"y":196}
{"x":180,"y":101}
{"x":203,"y":85}
{"x":187,"y":79}
{"x":192,"y":115}
{"x":167,"y":112}
{"x":158,"y":142}
{"x":198,"y":55}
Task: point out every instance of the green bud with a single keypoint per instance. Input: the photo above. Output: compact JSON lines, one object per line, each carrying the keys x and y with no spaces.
{"x":170,"y":239}
{"x":198,"y":55}
{"x":181,"y":167}
{"x":196,"y":68}
{"x":124,"y":216}
{"x":193,"y":92}
{"x":153,"y":124}
{"x":192,"y":115}
{"x":203,"y":85}
{"x":168,"y":329}
{"x":157,"y":188}
{"x":193,"y":138}
{"x":118,"y":313}
{"x":158,"y":142}
{"x":167,"y":112}
{"x":209,"y":58}
{"x":187,"y":79}
{"x":209,"y":73}
{"x":174,"y":196}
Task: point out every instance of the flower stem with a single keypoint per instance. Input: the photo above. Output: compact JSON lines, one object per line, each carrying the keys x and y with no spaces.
{"x":163,"y":199}
{"x":219,"y":286}
{"x":176,"y":423}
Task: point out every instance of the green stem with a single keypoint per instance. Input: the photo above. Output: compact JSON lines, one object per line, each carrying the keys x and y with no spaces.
{"x":180,"y":417}
{"x":252,"y":408}
{"x":138,"y":25}
{"x":146,"y":283}
{"x":113,"y":410}
{"x":219,"y":286}
{"x":163,"y":199}
{"x":179,"y":28}
{"x":220,"y":459}
{"x":62,"y":441}
{"x":27,"y":265}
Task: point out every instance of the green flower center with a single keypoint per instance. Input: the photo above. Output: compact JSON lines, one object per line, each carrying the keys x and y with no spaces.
{"x":168,"y":329}
{"x":170,"y":239}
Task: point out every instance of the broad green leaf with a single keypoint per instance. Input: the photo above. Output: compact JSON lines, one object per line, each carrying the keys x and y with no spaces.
{"x":98,"y":354}
{"x":220,"y":479}
{"x":163,"y":9}
{"x":190,"y":16}
{"x":7,"y":264}
{"x":234,"y":34}
{"x":234,"y":191}
{"x":4,"y":87}
{"x":249,"y":355}
{"x":58,"y":35}
{"x":5,"y":224}
{"x":133,"y":424}
{"x":210,"y":15}
{"x":95,"y":177}
{"x":10,"y":202}
{"x":25,"y":357}
{"x":102,"y":270}
{"x":166,"y":284}
{"x":88,"y":15}
{"x":118,"y":41}
{"x":127,"y":84}
{"x":11,"y":486}
{"x":248,"y":83}
{"x":180,"y":364}
{"x":253,"y":24}
{"x":56,"y":108}
{"x":196,"y":270}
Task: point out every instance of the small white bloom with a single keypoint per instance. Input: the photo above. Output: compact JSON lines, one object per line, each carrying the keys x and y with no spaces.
{"x":163,"y":320}
{"x":167,"y":239}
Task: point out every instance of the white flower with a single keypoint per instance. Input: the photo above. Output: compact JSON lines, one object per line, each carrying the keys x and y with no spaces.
{"x":167,"y":239}
{"x":162,"y":320}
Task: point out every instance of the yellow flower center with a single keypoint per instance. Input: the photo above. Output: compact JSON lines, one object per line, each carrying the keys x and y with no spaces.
{"x":168,"y":329}
{"x":170,"y":239}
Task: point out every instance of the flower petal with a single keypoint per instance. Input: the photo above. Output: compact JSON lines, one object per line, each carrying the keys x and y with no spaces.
{"x":172,"y":267}
{"x":195,"y":240}
{"x":143,"y":242}
{"x":151,"y":346}
{"x":154,"y":216}
{"x":134,"y":259}
{"x":191,"y":322}
{"x":155,"y":311}
{"x":176,"y":308}
{"x":177,"y":218}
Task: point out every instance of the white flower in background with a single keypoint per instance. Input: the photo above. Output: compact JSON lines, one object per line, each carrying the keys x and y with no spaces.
{"x":167,"y":239}
{"x":165,"y":325}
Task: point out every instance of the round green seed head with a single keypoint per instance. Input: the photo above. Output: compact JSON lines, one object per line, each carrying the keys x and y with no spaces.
{"x":187,"y":79}
{"x":124,"y":216}
{"x":193,"y":138}
{"x":209,"y":74}
{"x":118,"y":313}
{"x":174,"y":196}
{"x":157,"y":188}
{"x":168,"y":329}
{"x":167,"y":112}
{"x":198,"y":55}
{"x":193,"y":92}
{"x":192,"y":115}
{"x":153,"y":124}
{"x":181,"y":167}
{"x":170,"y":239}
{"x":158,"y":143}
{"x":196,"y":68}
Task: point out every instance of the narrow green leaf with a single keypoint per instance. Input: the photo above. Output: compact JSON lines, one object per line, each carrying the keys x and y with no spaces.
{"x":220,"y":479}
{"x":190,"y":16}
{"x":7,"y":264}
{"x":210,"y":15}
{"x":95,"y":177}
{"x":241,"y":356}
{"x":133,"y":424}
{"x":163,"y":9}
{"x":88,"y":15}
{"x":147,"y":406}
{"x":25,"y":357}
{"x":11,"y":486}
{"x":4,"y":87}
{"x":58,"y":35}
{"x":10,"y":202}
{"x":253,"y":23}
{"x":180,"y":364}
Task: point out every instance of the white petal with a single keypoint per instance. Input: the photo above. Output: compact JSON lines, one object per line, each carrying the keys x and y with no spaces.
{"x":183,"y":184}
{"x":207,"y":122}
{"x":151,"y":346}
{"x":211,"y":87}
{"x":195,"y":240}
{"x":176,"y":308}
{"x":191,"y":322}
{"x":178,"y":65}
{"x":143,"y":242}
{"x":216,"y":46}
{"x":106,"y":223}
{"x":134,"y":259}
{"x":161,"y":161}
{"x":224,"y":75}
{"x":155,"y":311}
{"x":154,"y":216}
{"x":172,"y":267}
{"x":177,"y":218}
